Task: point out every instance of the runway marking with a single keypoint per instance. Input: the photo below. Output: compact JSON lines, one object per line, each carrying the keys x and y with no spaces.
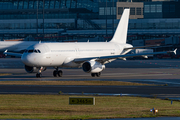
{"x":138,"y":75}
{"x":5,"y":74}
{"x":165,"y":82}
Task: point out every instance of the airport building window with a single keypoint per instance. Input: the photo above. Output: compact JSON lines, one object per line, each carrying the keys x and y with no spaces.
{"x":138,"y":11}
{"x":25,"y":4}
{"x":132,"y":11}
{"x":101,"y":11}
{"x":108,"y":10}
{"x":20,"y":5}
{"x":153,"y":8}
{"x":30,"y":4}
{"x":57,"y":4}
{"x":68,"y":3}
{"x":40,"y":4}
{"x":52,"y":4}
{"x":159,"y":8}
{"x":36,"y":4}
{"x":146,"y":8}
{"x":120,"y":10}
{"x":46,"y":5}
{"x":113,"y":10}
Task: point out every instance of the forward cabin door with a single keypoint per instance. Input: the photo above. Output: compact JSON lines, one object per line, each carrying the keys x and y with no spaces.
{"x":48,"y":56}
{"x":77,"y":51}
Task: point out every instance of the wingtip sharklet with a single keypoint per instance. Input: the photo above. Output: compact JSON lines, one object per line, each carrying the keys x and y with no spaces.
{"x":6,"y":51}
{"x":175,"y":51}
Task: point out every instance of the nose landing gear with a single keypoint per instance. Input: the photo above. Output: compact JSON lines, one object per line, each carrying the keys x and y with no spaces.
{"x":39,"y":75}
{"x":96,"y":74}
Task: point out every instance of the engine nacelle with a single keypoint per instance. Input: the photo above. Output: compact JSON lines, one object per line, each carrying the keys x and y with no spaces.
{"x":92,"y":67}
{"x":30,"y":69}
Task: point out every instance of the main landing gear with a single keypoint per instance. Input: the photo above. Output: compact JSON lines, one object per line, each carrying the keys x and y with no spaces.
{"x":57,"y":73}
{"x":96,"y":74}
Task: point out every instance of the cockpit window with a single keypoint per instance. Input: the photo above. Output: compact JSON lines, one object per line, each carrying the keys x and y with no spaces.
{"x":30,"y":51}
{"x":39,"y":51}
{"x":25,"y":51}
{"x":35,"y":51}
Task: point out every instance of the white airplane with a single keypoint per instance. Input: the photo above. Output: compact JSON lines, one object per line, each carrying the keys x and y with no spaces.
{"x":91,"y":56}
{"x":15,"y":46}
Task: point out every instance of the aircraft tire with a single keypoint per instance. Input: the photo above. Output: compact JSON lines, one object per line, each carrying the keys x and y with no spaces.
{"x":55,"y":73}
{"x":98,"y":74}
{"x":93,"y":74}
{"x":38,"y":75}
{"x":60,"y":73}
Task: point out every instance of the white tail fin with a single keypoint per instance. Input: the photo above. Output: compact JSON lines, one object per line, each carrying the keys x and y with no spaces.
{"x":120,"y":35}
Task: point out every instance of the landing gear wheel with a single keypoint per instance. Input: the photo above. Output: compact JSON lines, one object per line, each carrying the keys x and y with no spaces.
{"x":55,"y":74}
{"x":93,"y":74}
{"x":38,"y":75}
{"x":60,"y":73}
{"x":98,"y":74}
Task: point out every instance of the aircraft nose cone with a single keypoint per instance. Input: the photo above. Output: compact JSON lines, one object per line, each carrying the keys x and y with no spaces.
{"x":27,"y":59}
{"x":24,"y":59}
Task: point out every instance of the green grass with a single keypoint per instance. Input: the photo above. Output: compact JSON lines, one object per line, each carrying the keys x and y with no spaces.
{"x":57,"y":107}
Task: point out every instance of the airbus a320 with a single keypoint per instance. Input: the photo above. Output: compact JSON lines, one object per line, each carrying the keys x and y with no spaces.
{"x":91,"y":56}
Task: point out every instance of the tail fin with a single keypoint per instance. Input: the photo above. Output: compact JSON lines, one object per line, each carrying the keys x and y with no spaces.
{"x":120,"y":35}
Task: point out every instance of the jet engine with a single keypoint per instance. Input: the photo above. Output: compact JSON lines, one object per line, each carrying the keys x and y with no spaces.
{"x":30,"y":69}
{"x":93,"y":67}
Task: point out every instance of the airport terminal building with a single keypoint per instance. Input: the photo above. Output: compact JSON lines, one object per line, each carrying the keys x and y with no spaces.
{"x":96,"y":20}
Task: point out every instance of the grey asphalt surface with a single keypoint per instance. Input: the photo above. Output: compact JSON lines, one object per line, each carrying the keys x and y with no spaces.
{"x":165,"y":73}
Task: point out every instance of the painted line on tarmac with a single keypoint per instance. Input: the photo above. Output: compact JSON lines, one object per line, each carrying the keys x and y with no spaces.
{"x":159,"y":81}
{"x":5,"y":74}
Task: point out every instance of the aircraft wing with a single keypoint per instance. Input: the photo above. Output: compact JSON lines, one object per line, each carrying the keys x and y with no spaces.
{"x":12,"y":54}
{"x":105,"y":59}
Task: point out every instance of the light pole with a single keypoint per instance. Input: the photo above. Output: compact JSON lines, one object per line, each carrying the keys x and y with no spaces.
{"x":113,"y":18}
{"x":43,"y":19}
{"x":37,"y":19}
{"x":106,"y":19}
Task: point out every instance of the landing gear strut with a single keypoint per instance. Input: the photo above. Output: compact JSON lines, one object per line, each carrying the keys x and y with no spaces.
{"x":57,"y":73}
{"x":38,"y":75}
{"x":96,"y":74}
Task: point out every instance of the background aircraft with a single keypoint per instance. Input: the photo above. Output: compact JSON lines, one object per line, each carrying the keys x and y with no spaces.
{"x":15,"y":46}
{"x":91,"y":56}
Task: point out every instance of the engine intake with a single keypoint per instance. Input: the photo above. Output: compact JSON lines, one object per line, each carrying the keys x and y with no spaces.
{"x":92,"y":67}
{"x":30,"y":69}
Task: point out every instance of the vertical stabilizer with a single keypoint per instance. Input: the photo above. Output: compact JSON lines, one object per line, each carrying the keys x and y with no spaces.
{"x":120,"y":35}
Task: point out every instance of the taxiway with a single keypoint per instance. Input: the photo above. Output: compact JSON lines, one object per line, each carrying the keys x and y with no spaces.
{"x":164,"y":73}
